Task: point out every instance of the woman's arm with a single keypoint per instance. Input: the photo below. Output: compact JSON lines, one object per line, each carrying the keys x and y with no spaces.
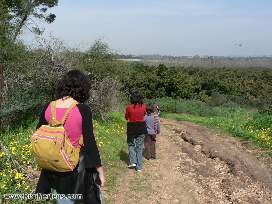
{"x":127,"y":113}
{"x":90,"y":149}
{"x":101,"y":174}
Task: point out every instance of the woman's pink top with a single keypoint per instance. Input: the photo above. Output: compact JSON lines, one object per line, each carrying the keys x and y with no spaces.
{"x":73,"y":124}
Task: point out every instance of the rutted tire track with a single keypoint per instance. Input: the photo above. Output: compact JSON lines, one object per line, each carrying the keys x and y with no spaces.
{"x":222,"y":167}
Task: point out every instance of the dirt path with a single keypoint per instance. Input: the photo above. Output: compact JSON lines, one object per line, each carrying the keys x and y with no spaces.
{"x":195,"y":165}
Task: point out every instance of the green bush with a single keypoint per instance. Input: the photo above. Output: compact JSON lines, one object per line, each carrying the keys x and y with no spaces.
{"x":31,"y":77}
{"x":215,"y":86}
{"x":260,"y":121}
{"x":193,"y":107}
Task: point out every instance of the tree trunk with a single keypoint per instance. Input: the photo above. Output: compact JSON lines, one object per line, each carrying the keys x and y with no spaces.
{"x":1,"y":83}
{"x":26,"y":13}
{"x":19,"y":27}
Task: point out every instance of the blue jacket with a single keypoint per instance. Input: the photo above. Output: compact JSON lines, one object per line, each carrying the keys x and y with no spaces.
{"x":152,"y":124}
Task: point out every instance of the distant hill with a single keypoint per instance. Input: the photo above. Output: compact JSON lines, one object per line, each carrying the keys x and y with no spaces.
{"x":201,"y":61}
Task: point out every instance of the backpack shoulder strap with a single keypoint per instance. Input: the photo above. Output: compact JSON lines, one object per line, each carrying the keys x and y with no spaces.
{"x":53,"y":120}
{"x":66,"y":114}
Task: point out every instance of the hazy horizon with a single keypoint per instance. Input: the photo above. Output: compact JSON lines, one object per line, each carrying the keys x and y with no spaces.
{"x":235,"y":28}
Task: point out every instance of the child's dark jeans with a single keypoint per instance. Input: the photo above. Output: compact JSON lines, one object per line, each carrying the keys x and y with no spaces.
{"x":150,"y":149}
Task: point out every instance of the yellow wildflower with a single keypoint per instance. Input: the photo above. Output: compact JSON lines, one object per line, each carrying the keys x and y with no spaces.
{"x":19,"y":176}
{"x":13,"y":150}
{"x":2,"y":154}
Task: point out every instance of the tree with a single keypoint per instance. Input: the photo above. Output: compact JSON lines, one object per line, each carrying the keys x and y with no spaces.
{"x":14,"y":15}
{"x":22,"y":12}
{"x":99,"y":59}
{"x":99,"y":52}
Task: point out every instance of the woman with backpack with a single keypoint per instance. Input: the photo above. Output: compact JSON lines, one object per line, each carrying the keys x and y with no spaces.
{"x":136,"y":130}
{"x":68,"y":120}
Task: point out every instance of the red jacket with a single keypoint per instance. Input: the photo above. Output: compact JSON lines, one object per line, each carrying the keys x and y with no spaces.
{"x":135,"y":113}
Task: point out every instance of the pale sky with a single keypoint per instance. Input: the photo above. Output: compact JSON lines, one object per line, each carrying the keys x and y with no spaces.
{"x":166,"y":27}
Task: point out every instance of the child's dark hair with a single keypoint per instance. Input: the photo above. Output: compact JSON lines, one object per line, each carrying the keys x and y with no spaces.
{"x":136,"y":98}
{"x":149,"y":109}
{"x":74,"y":84}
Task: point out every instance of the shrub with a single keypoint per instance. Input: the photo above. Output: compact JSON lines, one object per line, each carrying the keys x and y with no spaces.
{"x":30,"y":81}
{"x":217,"y":99}
{"x":104,"y":95}
{"x":260,"y":121}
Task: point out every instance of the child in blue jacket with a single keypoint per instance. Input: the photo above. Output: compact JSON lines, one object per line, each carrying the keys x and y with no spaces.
{"x":152,"y":122}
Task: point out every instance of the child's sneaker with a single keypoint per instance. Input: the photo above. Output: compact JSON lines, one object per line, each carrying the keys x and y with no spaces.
{"x":139,"y":170}
{"x":131,"y":166}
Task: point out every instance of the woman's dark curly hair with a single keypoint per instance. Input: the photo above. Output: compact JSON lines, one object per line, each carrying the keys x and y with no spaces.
{"x":74,"y":84}
{"x":136,"y":98}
